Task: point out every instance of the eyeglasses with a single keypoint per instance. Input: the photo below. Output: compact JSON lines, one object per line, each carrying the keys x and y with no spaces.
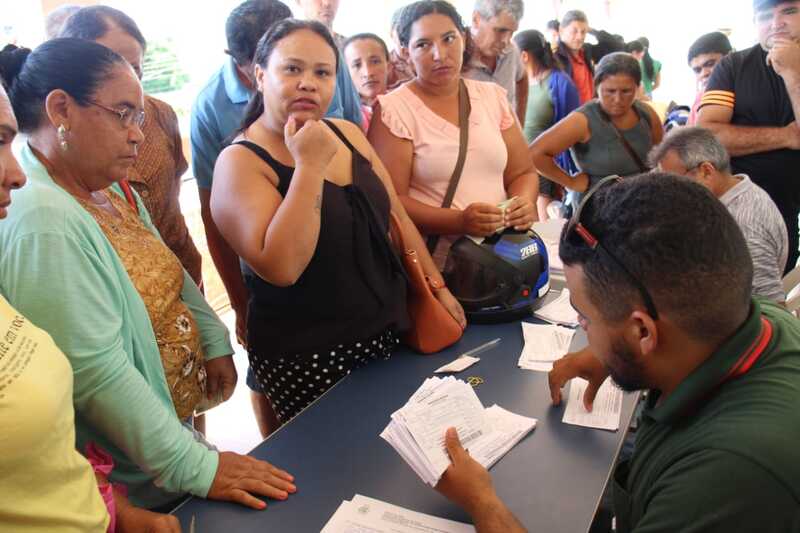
{"x":576,"y":226}
{"x":127,"y":116}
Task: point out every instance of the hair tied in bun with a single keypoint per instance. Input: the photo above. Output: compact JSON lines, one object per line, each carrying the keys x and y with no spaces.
{"x":12,"y":59}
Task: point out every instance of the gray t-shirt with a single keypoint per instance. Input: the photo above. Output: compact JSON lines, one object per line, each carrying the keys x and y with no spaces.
{"x":605,"y":154}
{"x":765,"y":234}
{"x":507,"y":72}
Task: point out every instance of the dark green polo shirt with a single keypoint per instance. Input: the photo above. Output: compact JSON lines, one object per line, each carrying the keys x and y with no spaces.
{"x":722,"y":458}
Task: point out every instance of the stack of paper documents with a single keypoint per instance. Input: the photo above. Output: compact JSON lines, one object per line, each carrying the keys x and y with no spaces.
{"x":544,"y":343}
{"x":367,"y":515}
{"x":559,"y":311}
{"x":417,"y":430}
{"x":606,"y":409}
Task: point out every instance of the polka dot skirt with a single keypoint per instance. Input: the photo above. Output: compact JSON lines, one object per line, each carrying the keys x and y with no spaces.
{"x":292,"y":382}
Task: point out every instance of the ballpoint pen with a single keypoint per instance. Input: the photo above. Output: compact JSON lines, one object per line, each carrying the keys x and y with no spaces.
{"x":482,"y":348}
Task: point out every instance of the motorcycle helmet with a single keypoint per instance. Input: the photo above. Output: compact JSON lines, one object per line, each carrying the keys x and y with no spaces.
{"x":500,"y":278}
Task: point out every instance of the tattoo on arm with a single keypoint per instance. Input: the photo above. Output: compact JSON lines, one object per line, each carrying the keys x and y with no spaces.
{"x":318,"y":204}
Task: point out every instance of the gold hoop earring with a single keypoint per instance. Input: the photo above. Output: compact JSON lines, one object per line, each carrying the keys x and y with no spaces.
{"x":62,"y":137}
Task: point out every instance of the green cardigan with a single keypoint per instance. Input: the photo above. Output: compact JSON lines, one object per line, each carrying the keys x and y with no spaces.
{"x":59,"y":270}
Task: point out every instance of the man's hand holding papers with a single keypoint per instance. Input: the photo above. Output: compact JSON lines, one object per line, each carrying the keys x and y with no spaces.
{"x":469,"y":485}
{"x":416,"y":430}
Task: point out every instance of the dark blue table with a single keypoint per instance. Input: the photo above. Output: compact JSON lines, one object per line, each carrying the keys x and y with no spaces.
{"x":552,"y":480}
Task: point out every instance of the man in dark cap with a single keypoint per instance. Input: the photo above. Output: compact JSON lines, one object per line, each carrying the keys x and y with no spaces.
{"x":704,"y":54}
{"x":751,"y":102}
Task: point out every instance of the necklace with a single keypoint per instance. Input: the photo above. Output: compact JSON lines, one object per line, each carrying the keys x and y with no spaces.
{"x":94,"y":198}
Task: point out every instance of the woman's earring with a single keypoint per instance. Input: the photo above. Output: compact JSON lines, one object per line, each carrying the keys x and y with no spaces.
{"x":62,"y":138}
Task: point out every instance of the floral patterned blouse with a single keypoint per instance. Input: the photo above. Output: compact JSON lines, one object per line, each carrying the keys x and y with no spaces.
{"x":156,"y":176}
{"x":157,"y":275}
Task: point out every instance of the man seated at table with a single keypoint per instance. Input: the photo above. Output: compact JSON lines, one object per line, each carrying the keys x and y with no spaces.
{"x":697,"y":154}
{"x":660,"y":275}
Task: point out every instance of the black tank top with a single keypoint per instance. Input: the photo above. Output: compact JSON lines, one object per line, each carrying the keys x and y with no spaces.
{"x":353,"y":288}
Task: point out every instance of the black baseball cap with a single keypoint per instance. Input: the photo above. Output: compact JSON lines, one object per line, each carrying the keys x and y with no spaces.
{"x":760,"y":5}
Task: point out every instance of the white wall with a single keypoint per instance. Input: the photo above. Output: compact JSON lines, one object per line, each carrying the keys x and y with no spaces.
{"x":198,"y":28}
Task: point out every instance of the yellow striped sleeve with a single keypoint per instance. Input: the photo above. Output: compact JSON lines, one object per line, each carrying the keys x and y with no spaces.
{"x":722,"y":98}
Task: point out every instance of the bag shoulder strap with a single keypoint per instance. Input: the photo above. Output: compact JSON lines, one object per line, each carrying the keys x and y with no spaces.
{"x":464,"y":109}
{"x":625,"y":144}
{"x":339,"y":133}
{"x":126,"y":188}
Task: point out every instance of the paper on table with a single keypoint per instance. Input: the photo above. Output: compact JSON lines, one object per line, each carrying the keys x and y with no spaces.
{"x":367,"y":515}
{"x":544,"y":343}
{"x":462,"y":363}
{"x":508,"y":429}
{"x":559,"y":311}
{"x":606,"y":409}
{"x":450,"y":406}
{"x":416,"y":431}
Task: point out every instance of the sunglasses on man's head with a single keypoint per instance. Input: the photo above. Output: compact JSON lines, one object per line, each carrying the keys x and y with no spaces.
{"x":575,"y":225}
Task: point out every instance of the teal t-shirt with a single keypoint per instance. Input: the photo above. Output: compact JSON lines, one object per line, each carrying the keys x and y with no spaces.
{"x":648,"y":82}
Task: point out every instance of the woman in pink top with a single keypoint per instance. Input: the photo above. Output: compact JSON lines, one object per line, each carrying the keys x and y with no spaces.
{"x":417,"y":137}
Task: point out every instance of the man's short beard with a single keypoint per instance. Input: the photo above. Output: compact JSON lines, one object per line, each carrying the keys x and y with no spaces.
{"x":627,"y":372}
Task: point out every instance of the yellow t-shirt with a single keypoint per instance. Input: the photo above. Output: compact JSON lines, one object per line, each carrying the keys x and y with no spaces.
{"x":45,"y":484}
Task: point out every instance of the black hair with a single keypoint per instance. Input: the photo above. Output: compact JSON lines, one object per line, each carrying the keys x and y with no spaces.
{"x":396,"y":16}
{"x":678,"y":240}
{"x":534,"y":42}
{"x":248,"y":22}
{"x":413,"y":12}
{"x":92,"y":22}
{"x":616,"y":64}
{"x":606,"y":44}
{"x":276,"y":33}
{"x":367,"y":36}
{"x":553,"y":25}
{"x":710,"y":43}
{"x":647,"y":60}
{"x":76,"y":66}
{"x":634,"y":47}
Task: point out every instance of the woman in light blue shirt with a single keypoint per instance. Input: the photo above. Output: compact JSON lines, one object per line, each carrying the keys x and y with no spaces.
{"x":81,"y":106}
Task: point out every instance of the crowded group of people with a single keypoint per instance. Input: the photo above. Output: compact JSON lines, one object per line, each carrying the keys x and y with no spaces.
{"x":305,"y":144}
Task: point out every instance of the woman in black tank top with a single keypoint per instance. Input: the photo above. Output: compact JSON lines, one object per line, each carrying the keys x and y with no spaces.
{"x":305,"y":204}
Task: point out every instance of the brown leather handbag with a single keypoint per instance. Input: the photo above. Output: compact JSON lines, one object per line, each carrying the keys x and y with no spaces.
{"x":432,"y":327}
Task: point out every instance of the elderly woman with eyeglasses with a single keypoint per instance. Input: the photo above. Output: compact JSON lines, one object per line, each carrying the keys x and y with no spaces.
{"x":81,"y":259}
{"x":156,"y":174}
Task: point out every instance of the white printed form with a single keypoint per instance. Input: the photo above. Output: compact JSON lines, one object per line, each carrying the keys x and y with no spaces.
{"x":452,"y":405}
{"x":416,"y":431}
{"x":606,"y":410}
{"x":367,"y":515}
{"x":544,"y":343}
{"x":559,"y":311}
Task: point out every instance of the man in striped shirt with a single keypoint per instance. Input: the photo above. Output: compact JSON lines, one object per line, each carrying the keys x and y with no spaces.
{"x":751,"y":102}
{"x":697,"y":154}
